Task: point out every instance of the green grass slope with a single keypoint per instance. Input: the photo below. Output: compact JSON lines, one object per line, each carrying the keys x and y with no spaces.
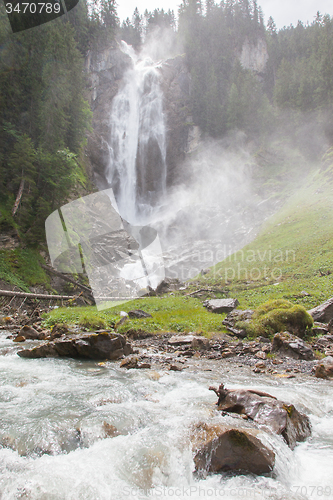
{"x":292,"y":257}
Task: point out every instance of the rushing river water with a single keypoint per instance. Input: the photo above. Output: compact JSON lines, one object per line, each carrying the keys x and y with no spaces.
{"x":56,"y":414}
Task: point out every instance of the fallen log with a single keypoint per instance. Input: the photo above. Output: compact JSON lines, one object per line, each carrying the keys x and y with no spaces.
{"x":9,"y":293}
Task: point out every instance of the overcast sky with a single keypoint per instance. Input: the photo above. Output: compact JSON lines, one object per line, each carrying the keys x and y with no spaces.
{"x":284,"y":12}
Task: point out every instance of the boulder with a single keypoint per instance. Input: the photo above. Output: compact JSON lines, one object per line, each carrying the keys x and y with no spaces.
{"x":288,"y":345}
{"x":220,"y":448}
{"x":324,"y":368}
{"x":138,"y":313}
{"x":265,"y":410}
{"x":102,"y":345}
{"x":30,"y":333}
{"x":323,"y":312}
{"x":220,"y":306}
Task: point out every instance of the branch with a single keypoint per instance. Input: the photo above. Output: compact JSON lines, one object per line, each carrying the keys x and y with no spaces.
{"x":18,"y":197}
{"x":66,"y":278}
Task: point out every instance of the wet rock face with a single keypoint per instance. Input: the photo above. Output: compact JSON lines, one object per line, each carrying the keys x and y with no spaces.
{"x":220,"y":448}
{"x":265,"y":410}
{"x":91,"y":346}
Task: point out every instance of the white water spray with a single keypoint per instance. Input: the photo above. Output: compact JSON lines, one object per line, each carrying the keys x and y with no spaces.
{"x":137,"y":167}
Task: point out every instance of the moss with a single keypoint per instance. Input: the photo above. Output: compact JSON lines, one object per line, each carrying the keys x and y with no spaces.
{"x":289,"y":409}
{"x":277,"y":316}
{"x":239,"y":438}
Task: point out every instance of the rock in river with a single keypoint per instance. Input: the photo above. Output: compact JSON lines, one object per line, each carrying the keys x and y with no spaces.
{"x":221,"y":448}
{"x":102,"y":345}
{"x":324,"y":368}
{"x":265,"y":410}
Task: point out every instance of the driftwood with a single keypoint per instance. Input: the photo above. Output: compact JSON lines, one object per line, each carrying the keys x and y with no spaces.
{"x":66,"y":278}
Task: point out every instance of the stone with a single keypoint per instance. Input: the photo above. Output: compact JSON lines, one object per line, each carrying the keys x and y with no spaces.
{"x":324,"y":368}
{"x":146,"y":366}
{"x":323,"y":312}
{"x":265,"y":410}
{"x":110,"y":430}
{"x":228,"y":353}
{"x":131,"y":362}
{"x":220,"y":306}
{"x":102,"y":345}
{"x":201,"y":343}
{"x":181,"y":340}
{"x":176,"y":368}
{"x":288,"y":345}
{"x":220,"y":448}
{"x":261,"y":355}
{"x":235,"y":316}
{"x":58,"y":331}
{"x":194,"y":341}
{"x":29,"y":333}
{"x":261,"y":365}
{"x":319,"y":331}
{"x":19,"y":338}
{"x":138,"y":313}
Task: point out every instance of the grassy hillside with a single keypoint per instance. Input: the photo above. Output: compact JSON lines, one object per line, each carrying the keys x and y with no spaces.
{"x":292,"y":257}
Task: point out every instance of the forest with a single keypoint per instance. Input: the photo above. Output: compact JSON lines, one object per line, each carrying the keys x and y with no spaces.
{"x":45,"y":115}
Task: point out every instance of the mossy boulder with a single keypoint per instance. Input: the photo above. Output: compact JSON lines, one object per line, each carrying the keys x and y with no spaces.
{"x":277,"y":316}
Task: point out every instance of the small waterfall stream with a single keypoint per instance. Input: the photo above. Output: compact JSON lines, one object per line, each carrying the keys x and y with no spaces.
{"x":137,"y":165}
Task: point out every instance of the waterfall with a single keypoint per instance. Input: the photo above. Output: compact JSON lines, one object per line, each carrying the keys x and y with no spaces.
{"x":137,"y":146}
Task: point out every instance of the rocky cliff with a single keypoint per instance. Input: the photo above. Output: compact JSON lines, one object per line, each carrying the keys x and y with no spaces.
{"x":254,"y":56}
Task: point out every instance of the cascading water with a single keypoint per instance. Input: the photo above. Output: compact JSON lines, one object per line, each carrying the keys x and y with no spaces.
{"x":137,"y":166}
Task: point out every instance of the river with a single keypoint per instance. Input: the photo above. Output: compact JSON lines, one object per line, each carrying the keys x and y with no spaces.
{"x":56,"y":414}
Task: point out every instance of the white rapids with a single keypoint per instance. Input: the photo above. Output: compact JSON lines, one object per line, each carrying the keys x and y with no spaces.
{"x":56,"y":414}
